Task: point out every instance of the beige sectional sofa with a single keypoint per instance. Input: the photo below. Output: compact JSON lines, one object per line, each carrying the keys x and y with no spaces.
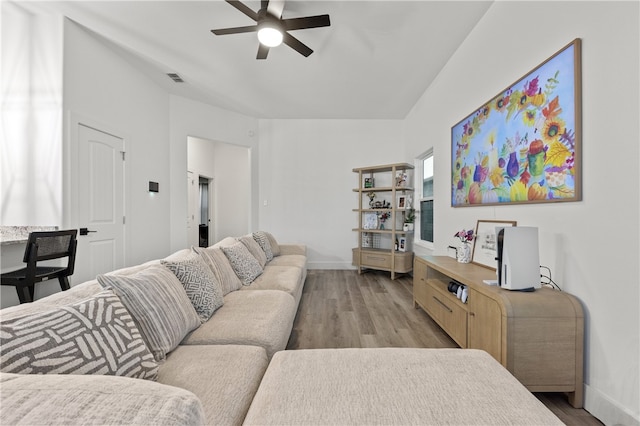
{"x":218,"y":365}
{"x":229,"y":366}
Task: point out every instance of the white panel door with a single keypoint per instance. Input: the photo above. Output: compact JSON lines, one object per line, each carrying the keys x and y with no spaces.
{"x":101,"y":203}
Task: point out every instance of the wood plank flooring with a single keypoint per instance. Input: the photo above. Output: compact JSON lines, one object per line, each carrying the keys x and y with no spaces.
{"x":343,"y":309}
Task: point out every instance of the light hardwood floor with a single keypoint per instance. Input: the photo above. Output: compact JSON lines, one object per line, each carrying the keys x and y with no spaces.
{"x":342,"y":309}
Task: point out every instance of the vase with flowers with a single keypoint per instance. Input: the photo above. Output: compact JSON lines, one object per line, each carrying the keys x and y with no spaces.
{"x":382,"y":218}
{"x":463,"y":253}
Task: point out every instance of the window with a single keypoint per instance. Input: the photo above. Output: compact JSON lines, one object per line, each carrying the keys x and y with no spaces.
{"x":425,"y":195}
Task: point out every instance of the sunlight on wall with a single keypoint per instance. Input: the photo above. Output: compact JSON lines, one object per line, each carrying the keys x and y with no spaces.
{"x":31,"y":125}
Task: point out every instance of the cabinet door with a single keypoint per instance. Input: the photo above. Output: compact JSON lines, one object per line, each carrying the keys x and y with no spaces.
{"x":485,"y":325}
{"x":420,"y":282}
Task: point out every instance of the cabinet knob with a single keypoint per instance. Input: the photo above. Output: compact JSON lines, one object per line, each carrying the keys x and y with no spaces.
{"x":472,"y":314}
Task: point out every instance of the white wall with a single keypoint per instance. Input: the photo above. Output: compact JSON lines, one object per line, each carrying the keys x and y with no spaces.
{"x":591,"y":246}
{"x":192,"y":118}
{"x":306,"y":180}
{"x":103,"y":89}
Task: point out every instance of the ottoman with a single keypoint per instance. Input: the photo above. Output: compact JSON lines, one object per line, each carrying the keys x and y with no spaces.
{"x":392,"y":386}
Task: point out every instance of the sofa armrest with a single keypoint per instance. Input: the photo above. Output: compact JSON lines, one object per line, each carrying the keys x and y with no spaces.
{"x":299,"y":249}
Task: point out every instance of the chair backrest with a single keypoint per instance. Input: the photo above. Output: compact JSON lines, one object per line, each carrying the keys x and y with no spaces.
{"x":49,"y":245}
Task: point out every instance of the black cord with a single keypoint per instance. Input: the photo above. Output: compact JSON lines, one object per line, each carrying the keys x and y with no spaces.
{"x":550,"y":282}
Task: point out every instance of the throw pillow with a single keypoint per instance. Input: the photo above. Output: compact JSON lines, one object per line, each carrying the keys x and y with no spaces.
{"x":243,"y":263}
{"x":158,"y":304}
{"x":201,"y":286}
{"x":263,"y":241}
{"x":254,"y":249}
{"x":219,"y":264}
{"x":93,"y":336}
{"x":275,"y":248}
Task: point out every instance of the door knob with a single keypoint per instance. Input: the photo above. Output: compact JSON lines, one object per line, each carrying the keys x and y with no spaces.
{"x":85,"y":231}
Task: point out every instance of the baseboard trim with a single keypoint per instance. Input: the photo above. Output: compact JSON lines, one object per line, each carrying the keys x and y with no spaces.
{"x":606,"y":410}
{"x":330,"y":265}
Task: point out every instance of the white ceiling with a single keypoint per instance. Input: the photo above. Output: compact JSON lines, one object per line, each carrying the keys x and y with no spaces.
{"x":374,"y":61}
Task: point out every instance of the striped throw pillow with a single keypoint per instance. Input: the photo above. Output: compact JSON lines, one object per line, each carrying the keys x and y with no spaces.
{"x":219,"y":264}
{"x":93,"y":336}
{"x":158,"y":304}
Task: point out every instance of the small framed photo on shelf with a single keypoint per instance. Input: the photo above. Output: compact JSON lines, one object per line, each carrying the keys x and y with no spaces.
{"x":368,"y":182}
{"x":402,"y":202}
{"x":370,"y":221}
{"x":485,"y":245}
{"x":402,"y":244}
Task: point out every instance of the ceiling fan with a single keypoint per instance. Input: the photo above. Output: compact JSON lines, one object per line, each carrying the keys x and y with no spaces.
{"x":272,"y":29}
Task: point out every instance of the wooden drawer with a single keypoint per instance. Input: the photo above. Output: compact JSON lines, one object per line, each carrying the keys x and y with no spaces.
{"x":376,"y":259}
{"x":448,"y":312}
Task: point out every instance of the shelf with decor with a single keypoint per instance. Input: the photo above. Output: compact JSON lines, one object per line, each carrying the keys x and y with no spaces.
{"x":385,"y":199}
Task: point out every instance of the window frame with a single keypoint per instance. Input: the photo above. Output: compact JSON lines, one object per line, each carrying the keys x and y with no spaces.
{"x":419,"y":185}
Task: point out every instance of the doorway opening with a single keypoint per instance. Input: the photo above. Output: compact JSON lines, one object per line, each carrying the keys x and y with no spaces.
{"x":205,"y":217}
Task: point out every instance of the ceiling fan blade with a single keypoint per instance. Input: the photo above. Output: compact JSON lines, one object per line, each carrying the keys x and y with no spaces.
{"x":296,"y":44}
{"x":275,"y":8}
{"x":244,"y":9}
{"x":263,"y":51}
{"x":235,"y":30}
{"x":306,"y":22}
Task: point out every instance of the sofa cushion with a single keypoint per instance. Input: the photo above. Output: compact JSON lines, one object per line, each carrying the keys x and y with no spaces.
{"x":158,"y":304}
{"x":198,"y":280}
{"x":284,"y":278}
{"x":405,"y":386}
{"x":31,"y":399}
{"x":257,"y":318}
{"x":275,"y":247}
{"x":254,"y":248}
{"x":246,"y":267}
{"x":263,"y":241}
{"x":215,"y":258}
{"x":224,"y":377}
{"x":94,"y":336}
{"x":297,"y":260}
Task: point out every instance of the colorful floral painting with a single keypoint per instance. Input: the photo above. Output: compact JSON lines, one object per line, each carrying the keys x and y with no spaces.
{"x":522,"y":146}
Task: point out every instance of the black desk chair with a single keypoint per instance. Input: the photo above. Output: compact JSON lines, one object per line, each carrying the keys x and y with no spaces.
{"x":43,"y":246}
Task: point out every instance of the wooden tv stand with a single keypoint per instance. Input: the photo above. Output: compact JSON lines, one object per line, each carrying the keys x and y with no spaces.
{"x":537,"y":336}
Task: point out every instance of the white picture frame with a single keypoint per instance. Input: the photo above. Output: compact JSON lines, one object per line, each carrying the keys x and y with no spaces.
{"x":402,"y":202}
{"x":370,"y":221}
{"x":402,"y":244}
{"x":485,"y":242}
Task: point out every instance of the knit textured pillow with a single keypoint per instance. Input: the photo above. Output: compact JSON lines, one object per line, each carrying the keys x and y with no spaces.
{"x":216,"y":260}
{"x":158,"y":304}
{"x":263,"y":241}
{"x":203,"y":290}
{"x":93,"y":336}
{"x":246,"y":267}
{"x":275,"y":247}
{"x":254,"y":248}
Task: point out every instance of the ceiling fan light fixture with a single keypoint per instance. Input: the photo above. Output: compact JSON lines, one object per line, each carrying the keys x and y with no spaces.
{"x":270,"y":33}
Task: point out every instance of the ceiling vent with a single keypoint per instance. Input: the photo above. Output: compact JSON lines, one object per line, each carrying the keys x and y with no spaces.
{"x":175,"y":77}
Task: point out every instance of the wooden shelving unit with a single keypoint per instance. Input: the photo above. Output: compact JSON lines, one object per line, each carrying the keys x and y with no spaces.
{"x":376,"y":247}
